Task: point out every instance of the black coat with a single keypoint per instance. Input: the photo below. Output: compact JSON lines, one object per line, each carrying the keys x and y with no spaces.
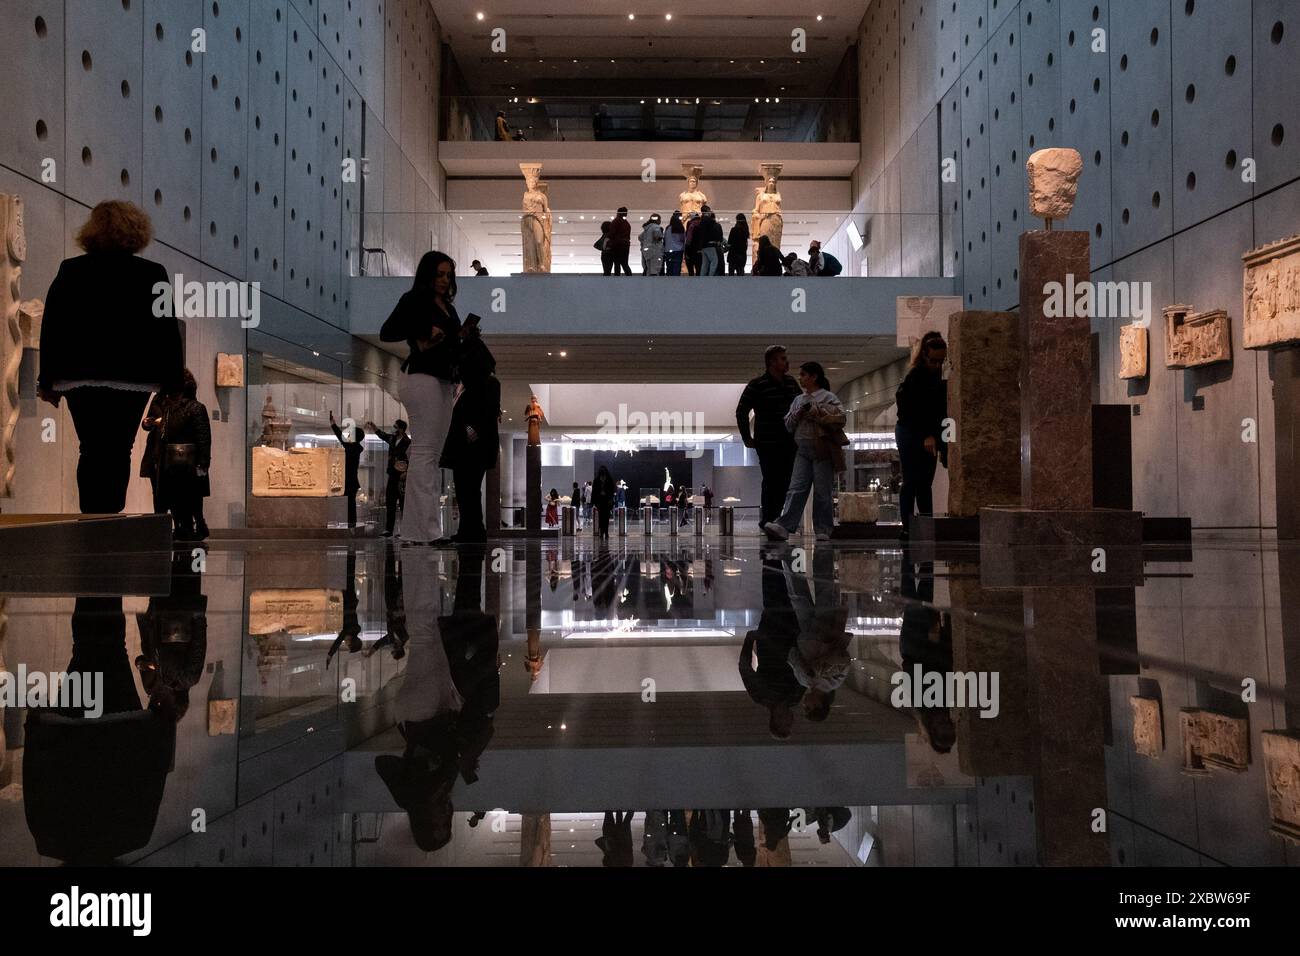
{"x":478,"y":406}
{"x":768,"y":262}
{"x":923,"y":403}
{"x":351,"y":458}
{"x":100,"y":325}
{"x":414,"y":318}
{"x":738,"y":244}
{"x":398,"y":450}
{"x":185,"y":422}
{"x":770,"y":401}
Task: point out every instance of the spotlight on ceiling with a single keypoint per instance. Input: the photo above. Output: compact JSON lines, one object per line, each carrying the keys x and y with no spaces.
{"x":819,"y":18}
{"x":668,"y":16}
{"x":478,"y":16}
{"x":631,"y":16}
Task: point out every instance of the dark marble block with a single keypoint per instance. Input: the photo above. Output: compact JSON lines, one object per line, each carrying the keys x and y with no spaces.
{"x":1024,"y":548}
{"x":533,"y":476}
{"x":1055,"y":375}
{"x":984,"y":403}
{"x":296,"y":512}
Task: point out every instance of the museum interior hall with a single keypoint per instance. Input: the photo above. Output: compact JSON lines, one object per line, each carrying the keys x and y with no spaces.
{"x":957,"y":526}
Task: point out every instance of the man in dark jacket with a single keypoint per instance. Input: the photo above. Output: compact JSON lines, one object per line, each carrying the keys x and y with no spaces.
{"x":399,"y":444}
{"x":352,"y":463}
{"x":620,"y":241}
{"x":472,"y":442}
{"x":772,"y":683}
{"x":769,"y":397}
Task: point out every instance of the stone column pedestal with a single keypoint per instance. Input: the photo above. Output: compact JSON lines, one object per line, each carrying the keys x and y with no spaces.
{"x":984,"y":403}
{"x":1055,"y":373}
{"x":533,"y":496}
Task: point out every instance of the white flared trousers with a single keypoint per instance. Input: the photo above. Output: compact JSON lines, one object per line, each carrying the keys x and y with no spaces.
{"x":428,"y":403}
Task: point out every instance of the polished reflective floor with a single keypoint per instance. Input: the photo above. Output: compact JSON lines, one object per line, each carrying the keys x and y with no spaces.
{"x":675,"y":702}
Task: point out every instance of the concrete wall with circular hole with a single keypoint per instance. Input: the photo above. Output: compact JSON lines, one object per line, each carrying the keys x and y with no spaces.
{"x":1169,"y":104}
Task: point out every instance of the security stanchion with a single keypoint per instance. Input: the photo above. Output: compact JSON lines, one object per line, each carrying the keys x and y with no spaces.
{"x":726,"y":521}
{"x":647,"y":520}
{"x":699,"y":521}
{"x":621,"y":516}
{"x":672,"y":521}
{"x":567,"y":519}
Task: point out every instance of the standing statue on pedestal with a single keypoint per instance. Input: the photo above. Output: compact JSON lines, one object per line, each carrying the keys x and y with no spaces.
{"x":275,"y":430}
{"x":535,"y":224}
{"x":766,"y":218}
{"x":534,"y":415}
{"x":692,"y":200}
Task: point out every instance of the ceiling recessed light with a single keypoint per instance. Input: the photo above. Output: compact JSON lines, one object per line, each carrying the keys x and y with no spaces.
{"x":479,"y":16}
{"x":631,"y":16}
{"x":819,"y":17}
{"x":564,"y":355}
{"x":668,"y":16}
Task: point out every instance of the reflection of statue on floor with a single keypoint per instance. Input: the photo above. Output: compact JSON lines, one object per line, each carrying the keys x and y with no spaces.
{"x":535,"y":839}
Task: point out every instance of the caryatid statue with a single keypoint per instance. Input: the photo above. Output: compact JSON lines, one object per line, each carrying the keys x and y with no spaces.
{"x":535,"y":223}
{"x":534,"y":415}
{"x":766,"y":218}
{"x":692,"y":200}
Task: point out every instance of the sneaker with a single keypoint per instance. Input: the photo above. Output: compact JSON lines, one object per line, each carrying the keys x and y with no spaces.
{"x":776,"y":532}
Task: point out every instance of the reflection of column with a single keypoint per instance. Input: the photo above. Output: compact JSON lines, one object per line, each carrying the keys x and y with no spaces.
{"x":1055,"y":375}
{"x":985,"y":638}
{"x":5,"y":770}
{"x":492,"y":499}
{"x":1065,"y":702}
{"x":1288,"y":560}
{"x":535,"y":839}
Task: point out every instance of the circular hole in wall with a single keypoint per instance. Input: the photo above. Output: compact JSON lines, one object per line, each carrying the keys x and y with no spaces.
{"x":1155,"y":200}
{"x":86,"y":156}
{"x":1278,"y":31}
{"x":157,"y":197}
{"x":1230,"y":65}
{"x":1191,"y":180}
{"x":1124,"y":217}
{"x":41,"y":28}
{"x":125,"y":177}
{"x":1191,"y":92}
{"x":186,"y":214}
{"x":86,"y":62}
{"x":1230,"y":160}
{"x":42,"y":131}
{"x":1278,"y":134}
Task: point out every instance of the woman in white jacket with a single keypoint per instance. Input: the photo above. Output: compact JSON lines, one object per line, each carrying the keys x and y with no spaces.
{"x":811,"y":412}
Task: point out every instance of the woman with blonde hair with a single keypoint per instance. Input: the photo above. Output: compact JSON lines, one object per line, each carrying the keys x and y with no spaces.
{"x":105,"y":347}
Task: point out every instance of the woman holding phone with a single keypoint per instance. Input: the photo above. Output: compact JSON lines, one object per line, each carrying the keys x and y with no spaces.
{"x":426,"y":320}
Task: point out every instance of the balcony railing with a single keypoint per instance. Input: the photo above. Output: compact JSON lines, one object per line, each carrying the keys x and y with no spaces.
{"x":653,"y":118}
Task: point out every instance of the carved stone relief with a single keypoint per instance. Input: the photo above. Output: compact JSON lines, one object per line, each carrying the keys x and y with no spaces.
{"x":1216,"y":740}
{"x":1271,"y":312}
{"x":1193,"y":339}
{"x":297,"y":472}
{"x":11,"y":334}
{"x":1132,"y":351}
{"x":1053,"y":182}
{"x":1148,"y":730}
{"x":230,"y":370}
{"x":1282,"y":775}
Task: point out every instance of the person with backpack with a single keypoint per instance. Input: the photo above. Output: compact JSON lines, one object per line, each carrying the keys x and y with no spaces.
{"x":822,"y":263}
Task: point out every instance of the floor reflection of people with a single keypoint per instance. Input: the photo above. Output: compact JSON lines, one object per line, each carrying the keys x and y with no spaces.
{"x":764,"y":656}
{"x":350,"y":633}
{"x":615,"y":840}
{"x":713,"y":834}
{"x":395,"y":634}
{"x":174,"y":640}
{"x":93,"y":785}
{"x":820,"y":658}
{"x":447,"y":699}
{"x":926,"y":640}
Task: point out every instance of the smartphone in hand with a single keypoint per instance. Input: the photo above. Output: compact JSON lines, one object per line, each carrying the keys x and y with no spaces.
{"x":470,"y":325}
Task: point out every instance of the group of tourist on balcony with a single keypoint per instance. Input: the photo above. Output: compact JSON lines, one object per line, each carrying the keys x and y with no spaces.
{"x":697,"y":242}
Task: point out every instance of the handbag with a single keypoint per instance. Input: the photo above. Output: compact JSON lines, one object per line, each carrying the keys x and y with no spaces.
{"x":599,"y":243}
{"x":180,"y":457}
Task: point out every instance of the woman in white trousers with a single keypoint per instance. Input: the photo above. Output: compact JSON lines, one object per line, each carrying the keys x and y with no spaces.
{"x":427,"y":321}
